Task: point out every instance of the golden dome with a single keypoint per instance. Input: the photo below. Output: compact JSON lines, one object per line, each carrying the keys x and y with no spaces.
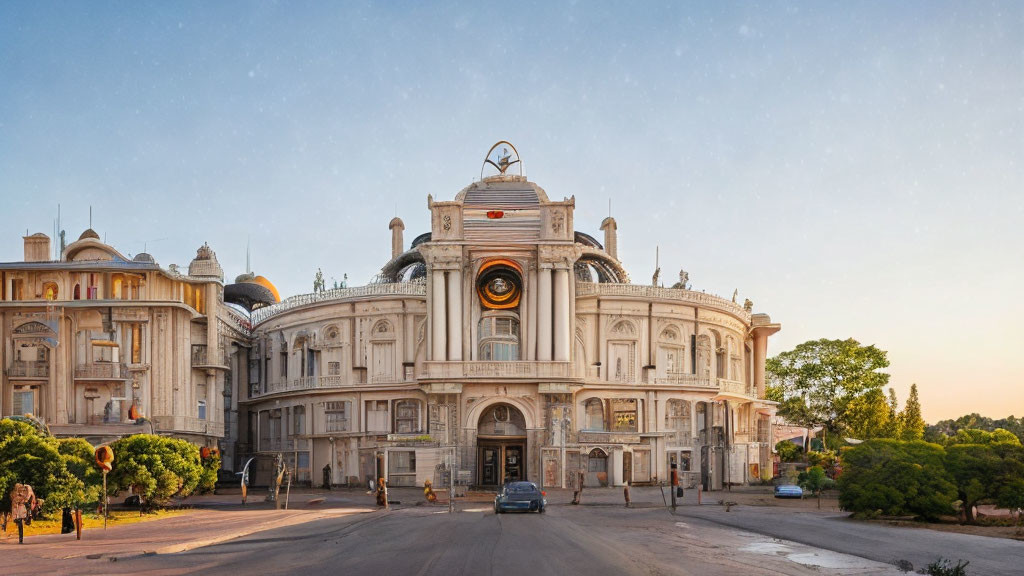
{"x":266,"y":284}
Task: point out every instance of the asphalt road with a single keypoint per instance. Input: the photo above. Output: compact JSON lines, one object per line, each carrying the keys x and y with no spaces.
{"x":421,"y":541}
{"x":413,"y":542}
{"x":920,"y":546}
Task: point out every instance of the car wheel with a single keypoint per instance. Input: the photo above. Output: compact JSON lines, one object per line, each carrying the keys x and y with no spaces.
{"x":541,"y":510}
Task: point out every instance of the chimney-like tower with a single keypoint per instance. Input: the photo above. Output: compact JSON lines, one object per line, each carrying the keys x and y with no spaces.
{"x":37,"y":248}
{"x":397,"y":245}
{"x":611,"y":240}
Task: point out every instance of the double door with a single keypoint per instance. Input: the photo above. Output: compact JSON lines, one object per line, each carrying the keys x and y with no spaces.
{"x":502,"y":463}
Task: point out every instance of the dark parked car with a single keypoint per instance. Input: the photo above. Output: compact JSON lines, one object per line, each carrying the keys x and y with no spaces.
{"x":788,"y":491}
{"x":523,"y":496}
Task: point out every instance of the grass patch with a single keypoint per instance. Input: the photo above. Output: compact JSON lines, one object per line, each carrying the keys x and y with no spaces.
{"x":90,"y":521}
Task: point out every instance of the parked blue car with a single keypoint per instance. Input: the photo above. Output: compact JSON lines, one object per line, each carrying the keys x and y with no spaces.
{"x":522,"y":496}
{"x":789,"y":491}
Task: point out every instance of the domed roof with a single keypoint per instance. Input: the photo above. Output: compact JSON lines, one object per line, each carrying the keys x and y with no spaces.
{"x":89,"y":233}
{"x":248,"y":295}
{"x":266,"y":284}
{"x":396,"y":221}
{"x":144,"y":257}
{"x":244,"y":277}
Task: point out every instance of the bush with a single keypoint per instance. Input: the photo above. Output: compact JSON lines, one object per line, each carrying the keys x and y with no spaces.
{"x":788,"y":452}
{"x":28,"y":458}
{"x":896,"y":478}
{"x":156,"y":468}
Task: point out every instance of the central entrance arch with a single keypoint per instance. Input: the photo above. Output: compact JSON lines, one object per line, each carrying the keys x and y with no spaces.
{"x":501,"y":445}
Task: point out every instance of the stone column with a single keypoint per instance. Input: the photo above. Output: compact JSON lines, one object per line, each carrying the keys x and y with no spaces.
{"x":760,"y":354}
{"x":438,"y":324}
{"x":531,"y":315}
{"x":455,"y":315}
{"x":544,"y":314}
{"x":561,"y":314}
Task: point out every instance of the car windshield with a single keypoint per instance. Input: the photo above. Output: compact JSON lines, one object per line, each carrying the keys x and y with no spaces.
{"x":520,"y":487}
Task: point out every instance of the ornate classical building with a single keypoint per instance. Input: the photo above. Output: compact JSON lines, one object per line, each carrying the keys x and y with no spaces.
{"x":501,"y":341}
{"x":510,"y":342}
{"x":98,"y":345}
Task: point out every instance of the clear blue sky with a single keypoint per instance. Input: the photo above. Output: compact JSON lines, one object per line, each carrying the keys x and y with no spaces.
{"x":855,"y":168}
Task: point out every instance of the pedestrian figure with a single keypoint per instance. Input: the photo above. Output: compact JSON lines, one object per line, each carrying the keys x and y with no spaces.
{"x":382,"y":493}
{"x":577,"y":496}
{"x":23,"y":501}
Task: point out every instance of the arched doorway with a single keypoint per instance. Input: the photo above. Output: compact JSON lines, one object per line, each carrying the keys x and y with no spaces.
{"x":501,"y":445}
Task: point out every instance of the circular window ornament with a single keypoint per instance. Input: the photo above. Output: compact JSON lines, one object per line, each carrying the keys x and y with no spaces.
{"x":499,"y":285}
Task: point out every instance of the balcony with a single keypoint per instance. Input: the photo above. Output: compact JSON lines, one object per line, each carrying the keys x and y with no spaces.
{"x":733,"y":390}
{"x":101,"y":371}
{"x":297,"y":384}
{"x":685,"y":379}
{"x":22,"y":369}
{"x":187,"y":424}
{"x":496,"y":370}
{"x":202,"y":360}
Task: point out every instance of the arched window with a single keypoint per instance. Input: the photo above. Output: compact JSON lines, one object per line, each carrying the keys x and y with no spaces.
{"x":499,"y":336}
{"x":594,"y":414}
{"x":407,"y":417}
{"x":50,"y":291}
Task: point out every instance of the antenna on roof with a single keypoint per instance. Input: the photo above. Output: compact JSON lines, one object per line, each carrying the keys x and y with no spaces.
{"x":248,"y":270}
{"x":90,"y":216}
{"x":609,"y":207}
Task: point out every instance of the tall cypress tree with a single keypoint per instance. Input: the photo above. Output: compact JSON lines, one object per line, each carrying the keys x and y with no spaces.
{"x":911,"y":422}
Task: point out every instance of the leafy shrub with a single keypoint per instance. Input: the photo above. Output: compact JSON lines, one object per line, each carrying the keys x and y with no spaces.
{"x":155,"y":467}
{"x":788,"y":452}
{"x":28,"y":458}
{"x":896,"y":478}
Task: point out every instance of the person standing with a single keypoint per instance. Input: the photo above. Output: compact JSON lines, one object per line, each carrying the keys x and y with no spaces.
{"x":23,"y":500}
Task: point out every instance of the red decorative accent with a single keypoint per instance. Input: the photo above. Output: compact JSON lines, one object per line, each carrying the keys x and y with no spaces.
{"x":493,"y":214}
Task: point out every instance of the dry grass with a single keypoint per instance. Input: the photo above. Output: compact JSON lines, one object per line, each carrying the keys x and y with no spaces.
{"x":117,"y":517}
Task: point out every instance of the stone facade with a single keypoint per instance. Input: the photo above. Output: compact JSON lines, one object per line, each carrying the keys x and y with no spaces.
{"x":509,"y":342}
{"x":98,"y":345}
{"x":503,"y":342}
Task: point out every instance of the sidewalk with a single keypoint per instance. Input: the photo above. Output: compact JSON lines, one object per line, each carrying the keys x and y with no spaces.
{"x":203,"y":526}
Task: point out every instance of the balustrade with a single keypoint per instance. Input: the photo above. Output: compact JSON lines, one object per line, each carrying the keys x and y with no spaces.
{"x":23,"y":369}
{"x":395,"y":289}
{"x":677,"y":294}
{"x":101,"y":371}
{"x":504,"y":370}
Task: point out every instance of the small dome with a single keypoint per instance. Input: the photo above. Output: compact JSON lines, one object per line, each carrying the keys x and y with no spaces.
{"x":396,"y":221}
{"x":144,"y":257}
{"x":248,"y":276}
{"x":248,"y":295}
{"x":89,"y":233}
{"x":266,"y":284}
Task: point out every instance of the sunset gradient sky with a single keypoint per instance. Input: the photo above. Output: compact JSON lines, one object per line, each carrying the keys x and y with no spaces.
{"x":854,"y":169}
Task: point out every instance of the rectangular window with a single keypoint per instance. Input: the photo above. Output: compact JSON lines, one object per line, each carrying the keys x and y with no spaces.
{"x":201,"y":409}
{"x":299,"y":415}
{"x":336,"y":416}
{"x":284,"y":364}
{"x":334,"y":368}
{"x":136,"y":344}
{"x":407,"y":417}
{"x":24,"y":401}
{"x":624,"y":415}
{"x":377,"y":416}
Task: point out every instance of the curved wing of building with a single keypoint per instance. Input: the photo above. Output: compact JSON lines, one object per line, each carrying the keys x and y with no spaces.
{"x":510,"y":341}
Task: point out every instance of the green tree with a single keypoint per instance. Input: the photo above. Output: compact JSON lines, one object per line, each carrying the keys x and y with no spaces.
{"x":976,"y":436}
{"x":867,"y":416}
{"x":155,"y":467}
{"x":892,"y":428}
{"x":788,"y":452}
{"x":975,"y":471}
{"x":29,"y":458}
{"x":911,"y":422}
{"x":79,"y":457}
{"x":820,"y":378}
{"x":815,"y":480}
{"x":896,"y":478}
{"x":1011,"y":497}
